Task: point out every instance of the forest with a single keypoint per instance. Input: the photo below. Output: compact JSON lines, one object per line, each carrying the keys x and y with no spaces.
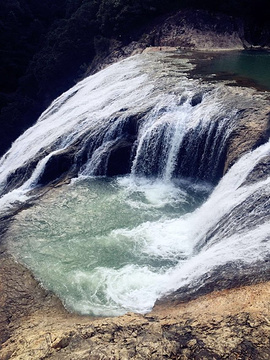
{"x":47,"y":46}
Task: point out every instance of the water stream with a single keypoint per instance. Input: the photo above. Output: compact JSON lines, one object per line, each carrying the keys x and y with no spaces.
{"x":246,"y":67}
{"x":146,"y":212}
{"x":99,"y":243}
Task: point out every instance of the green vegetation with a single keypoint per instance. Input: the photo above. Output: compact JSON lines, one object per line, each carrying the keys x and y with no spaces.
{"x":46,"y":46}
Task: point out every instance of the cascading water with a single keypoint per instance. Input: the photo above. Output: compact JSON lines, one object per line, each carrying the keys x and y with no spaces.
{"x":145,"y":116}
{"x":107,"y":245}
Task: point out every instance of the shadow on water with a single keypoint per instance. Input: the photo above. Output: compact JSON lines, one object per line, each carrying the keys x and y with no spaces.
{"x":248,"y":68}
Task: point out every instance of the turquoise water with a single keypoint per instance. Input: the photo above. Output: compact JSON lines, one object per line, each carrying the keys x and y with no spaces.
{"x":104,"y":245}
{"x":249,"y":68}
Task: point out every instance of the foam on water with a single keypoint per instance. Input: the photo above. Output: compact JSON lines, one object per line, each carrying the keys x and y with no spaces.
{"x":106,"y":246}
{"x":100,"y":251}
{"x":156,"y":193}
{"x":93,"y":115}
{"x":128,"y":258}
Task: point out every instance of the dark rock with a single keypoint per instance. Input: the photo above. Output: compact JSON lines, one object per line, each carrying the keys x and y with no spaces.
{"x":20,"y":175}
{"x":57,"y":167}
{"x":196,"y":99}
{"x":119,"y":160}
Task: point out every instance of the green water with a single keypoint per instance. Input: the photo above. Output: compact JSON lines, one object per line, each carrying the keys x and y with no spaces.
{"x":248,"y":68}
{"x":102,"y":244}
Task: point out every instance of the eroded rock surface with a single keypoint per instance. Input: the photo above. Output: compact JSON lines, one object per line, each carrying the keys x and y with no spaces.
{"x":252,"y":131}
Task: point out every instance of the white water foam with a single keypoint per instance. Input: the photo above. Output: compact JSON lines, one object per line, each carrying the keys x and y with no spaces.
{"x":169,"y":251}
{"x":98,"y":108}
{"x":173,"y":244}
{"x":173,"y":238}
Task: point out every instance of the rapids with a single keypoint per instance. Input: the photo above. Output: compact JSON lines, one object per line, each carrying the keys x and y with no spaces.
{"x":148,"y":211}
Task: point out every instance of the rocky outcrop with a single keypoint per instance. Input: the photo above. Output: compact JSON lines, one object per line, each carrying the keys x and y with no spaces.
{"x":20,"y":295}
{"x":253,"y":130}
{"x":198,"y":30}
{"x":187,"y":29}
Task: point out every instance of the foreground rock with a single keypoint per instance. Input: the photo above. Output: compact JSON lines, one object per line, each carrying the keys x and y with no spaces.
{"x":230,"y":324}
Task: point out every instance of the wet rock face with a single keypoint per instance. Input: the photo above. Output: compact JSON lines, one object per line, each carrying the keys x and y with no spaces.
{"x":196,"y":99}
{"x":57,"y":167}
{"x":228,"y":276}
{"x":253,"y":130}
{"x":19,"y":176}
{"x":119,"y":161}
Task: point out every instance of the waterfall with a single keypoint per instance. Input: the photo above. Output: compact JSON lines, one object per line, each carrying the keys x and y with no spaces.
{"x":141,"y":115}
{"x":164,"y":139}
